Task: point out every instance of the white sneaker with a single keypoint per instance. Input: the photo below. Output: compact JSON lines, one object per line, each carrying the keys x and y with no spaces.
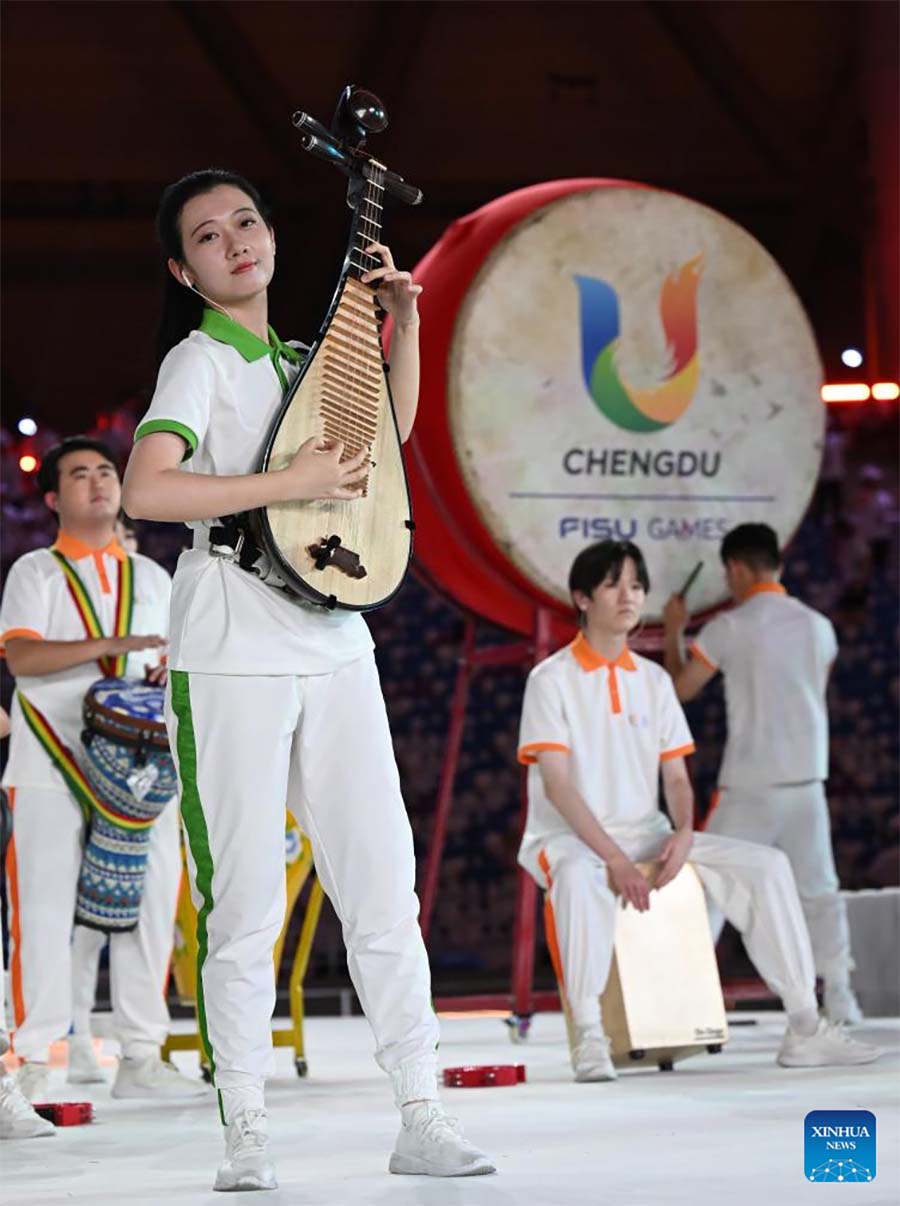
{"x":829,"y":1045}
{"x":84,"y":1068}
{"x":841,"y":1005}
{"x":591,"y":1060}
{"x":151,"y":1077}
{"x":17,"y":1118}
{"x":33,"y":1081}
{"x":246,"y":1164}
{"x":432,"y":1145}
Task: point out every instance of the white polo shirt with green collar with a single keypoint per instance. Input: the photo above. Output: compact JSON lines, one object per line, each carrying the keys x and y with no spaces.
{"x":219,"y":390}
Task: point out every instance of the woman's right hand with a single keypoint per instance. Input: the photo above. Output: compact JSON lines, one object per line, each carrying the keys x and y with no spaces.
{"x":317,"y":472}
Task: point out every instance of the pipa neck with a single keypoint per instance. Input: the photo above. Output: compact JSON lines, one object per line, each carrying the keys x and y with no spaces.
{"x":367,"y":227}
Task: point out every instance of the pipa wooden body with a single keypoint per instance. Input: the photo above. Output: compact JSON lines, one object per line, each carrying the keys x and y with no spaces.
{"x":351,"y":555}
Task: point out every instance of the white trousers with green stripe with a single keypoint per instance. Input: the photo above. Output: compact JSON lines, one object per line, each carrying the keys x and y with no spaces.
{"x":245,"y":748}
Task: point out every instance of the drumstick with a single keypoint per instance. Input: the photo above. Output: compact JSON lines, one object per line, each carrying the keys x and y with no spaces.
{"x":691,"y":578}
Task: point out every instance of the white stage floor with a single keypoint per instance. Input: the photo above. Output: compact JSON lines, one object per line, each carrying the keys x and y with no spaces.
{"x":723,"y":1130}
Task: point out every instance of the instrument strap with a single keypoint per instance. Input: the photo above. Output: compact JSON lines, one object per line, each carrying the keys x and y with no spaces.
{"x":233,"y":532}
{"x":64,"y":761}
{"x":110,"y":667}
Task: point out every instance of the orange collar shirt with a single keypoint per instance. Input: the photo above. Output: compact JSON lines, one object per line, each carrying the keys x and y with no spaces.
{"x":37,"y":604}
{"x":616,"y":721}
{"x":775,"y":654}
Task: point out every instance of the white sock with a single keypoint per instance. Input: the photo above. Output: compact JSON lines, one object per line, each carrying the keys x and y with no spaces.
{"x":586,"y":1013}
{"x":138,"y":1050}
{"x":409,"y":1111}
{"x":805,"y":1022}
{"x":246,"y":1097}
{"x":415,"y":1080}
{"x":839,"y":983}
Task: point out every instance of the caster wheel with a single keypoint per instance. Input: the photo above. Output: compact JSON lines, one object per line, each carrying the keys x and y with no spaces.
{"x":517,"y":1028}
{"x":666,"y":1065}
{"x":301,"y":1067}
{"x":206,"y":1073}
{"x":636,"y":1055}
{"x":714,"y":1048}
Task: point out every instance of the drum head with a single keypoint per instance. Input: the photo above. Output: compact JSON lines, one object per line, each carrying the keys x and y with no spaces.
{"x":630,"y":364}
{"x":128,"y":697}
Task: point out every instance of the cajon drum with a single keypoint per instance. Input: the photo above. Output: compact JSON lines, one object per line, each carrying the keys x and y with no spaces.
{"x":663,"y":1001}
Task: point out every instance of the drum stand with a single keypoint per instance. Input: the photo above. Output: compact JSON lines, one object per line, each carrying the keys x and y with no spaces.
{"x":184,"y":960}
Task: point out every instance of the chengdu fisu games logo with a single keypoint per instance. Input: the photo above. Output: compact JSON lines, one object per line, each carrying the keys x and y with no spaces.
{"x":626,"y":405}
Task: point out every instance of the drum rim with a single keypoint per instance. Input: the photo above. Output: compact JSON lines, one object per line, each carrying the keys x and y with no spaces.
{"x":119,"y":726}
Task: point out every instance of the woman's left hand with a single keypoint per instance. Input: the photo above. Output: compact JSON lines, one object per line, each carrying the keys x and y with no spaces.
{"x":397,"y":294}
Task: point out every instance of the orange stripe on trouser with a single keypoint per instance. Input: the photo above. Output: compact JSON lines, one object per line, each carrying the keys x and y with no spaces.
{"x":550,"y":922}
{"x":715,"y":801}
{"x":15,"y":931}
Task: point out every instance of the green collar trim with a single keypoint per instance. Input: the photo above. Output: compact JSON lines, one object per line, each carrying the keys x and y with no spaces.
{"x":223,"y":329}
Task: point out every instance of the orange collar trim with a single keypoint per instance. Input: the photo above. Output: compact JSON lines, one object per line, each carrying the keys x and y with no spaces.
{"x":589,"y":659}
{"x":765,"y":588}
{"x":71,"y":546}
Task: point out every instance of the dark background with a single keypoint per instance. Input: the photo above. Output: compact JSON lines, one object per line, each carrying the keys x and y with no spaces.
{"x":783,"y":116}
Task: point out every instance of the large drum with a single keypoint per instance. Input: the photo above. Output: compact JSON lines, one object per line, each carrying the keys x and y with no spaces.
{"x":602,"y":359}
{"x":128,"y":765}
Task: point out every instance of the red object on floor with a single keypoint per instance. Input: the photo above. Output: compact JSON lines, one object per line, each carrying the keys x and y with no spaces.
{"x":65,"y":1113}
{"x":481,"y":1076}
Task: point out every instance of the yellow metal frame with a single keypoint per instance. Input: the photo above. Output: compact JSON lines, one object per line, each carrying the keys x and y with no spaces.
{"x":298,"y":868}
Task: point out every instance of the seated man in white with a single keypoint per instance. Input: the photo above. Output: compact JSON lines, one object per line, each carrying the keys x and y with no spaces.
{"x":598,"y":723}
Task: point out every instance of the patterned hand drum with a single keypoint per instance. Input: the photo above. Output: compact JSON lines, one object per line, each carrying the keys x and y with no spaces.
{"x":129,"y":767}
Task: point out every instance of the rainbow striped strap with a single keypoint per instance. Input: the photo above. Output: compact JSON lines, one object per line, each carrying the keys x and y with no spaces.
{"x":110,"y":667}
{"x":62,"y":758}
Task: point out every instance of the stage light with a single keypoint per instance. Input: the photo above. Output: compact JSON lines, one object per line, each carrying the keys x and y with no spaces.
{"x":885,"y":391}
{"x":28,"y":463}
{"x":845,"y":393}
{"x":27,"y":427}
{"x":852,"y":357}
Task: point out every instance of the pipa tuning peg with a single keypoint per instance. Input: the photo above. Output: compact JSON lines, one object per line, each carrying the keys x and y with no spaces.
{"x":358,"y":113}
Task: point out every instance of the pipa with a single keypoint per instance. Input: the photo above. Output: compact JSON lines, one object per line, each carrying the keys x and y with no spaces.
{"x":352,"y":555}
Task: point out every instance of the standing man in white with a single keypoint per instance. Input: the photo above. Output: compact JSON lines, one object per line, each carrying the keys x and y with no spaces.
{"x":600,"y":726}
{"x":776,"y":655}
{"x":51,"y":598}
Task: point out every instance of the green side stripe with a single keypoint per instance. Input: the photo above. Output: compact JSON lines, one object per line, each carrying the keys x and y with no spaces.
{"x":173,"y":426}
{"x":198,"y":839}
